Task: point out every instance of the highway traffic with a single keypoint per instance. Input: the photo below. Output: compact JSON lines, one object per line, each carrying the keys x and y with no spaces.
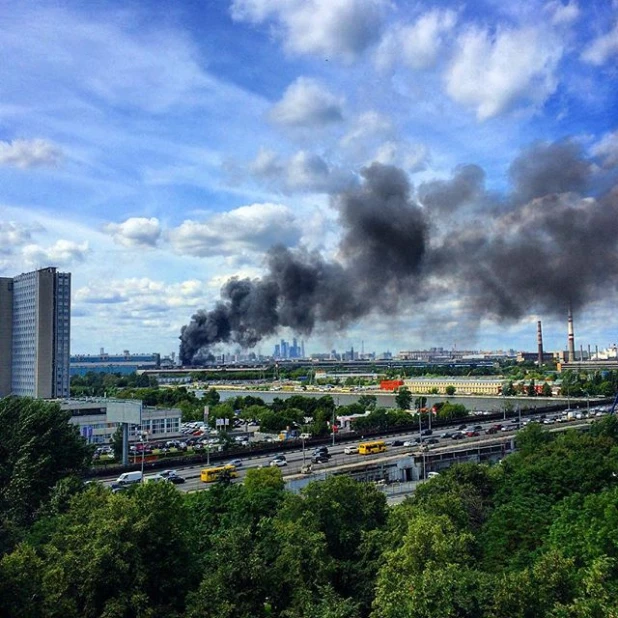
{"x":338,"y":455}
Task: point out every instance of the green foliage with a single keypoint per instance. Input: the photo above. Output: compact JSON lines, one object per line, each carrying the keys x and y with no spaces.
{"x":533,"y":537}
{"x":447,"y":411}
{"x":403,"y":398}
{"x":450,"y":390}
{"x":39,"y":447}
{"x":367,"y":402}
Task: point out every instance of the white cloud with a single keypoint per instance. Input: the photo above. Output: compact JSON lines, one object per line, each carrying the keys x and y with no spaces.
{"x":411,"y":157}
{"x":366,"y":126}
{"x":143,"y":294}
{"x":417,"y":45}
{"x":331,"y":28}
{"x":61,"y":253}
{"x":310,"y":172}
{"x":492,"y":73}
{"x":266,"y":165}
{"x":304,"y":171}
{"x":306,"y":103}
{"x":25,"y":153}
{"x":13,"y":235}
{"x":135,"y":232}
{"x":607,"y":149}
{"x":602,"y":48}
{"x":562,"y":14}
{"x":246,"y":229}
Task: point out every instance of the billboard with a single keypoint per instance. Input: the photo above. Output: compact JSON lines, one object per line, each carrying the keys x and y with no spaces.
{"x":124,"y":411}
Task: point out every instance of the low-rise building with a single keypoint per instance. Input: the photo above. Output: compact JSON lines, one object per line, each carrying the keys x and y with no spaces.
{"x":91,"y":417}
{"x":462,"y":386}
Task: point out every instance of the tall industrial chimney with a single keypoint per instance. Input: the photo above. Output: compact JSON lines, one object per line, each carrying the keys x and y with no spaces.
{"x":539,"y":341}
{"x":571,"y":336}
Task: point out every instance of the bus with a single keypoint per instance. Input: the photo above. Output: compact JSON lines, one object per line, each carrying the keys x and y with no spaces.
{"x":367,"y":448}
{"x":209,"y":475}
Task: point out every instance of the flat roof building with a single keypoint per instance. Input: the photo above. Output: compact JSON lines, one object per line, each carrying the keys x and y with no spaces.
{"x":35,"y":334}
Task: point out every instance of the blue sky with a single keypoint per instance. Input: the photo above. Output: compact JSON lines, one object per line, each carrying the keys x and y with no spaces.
{"x":156,"y":149}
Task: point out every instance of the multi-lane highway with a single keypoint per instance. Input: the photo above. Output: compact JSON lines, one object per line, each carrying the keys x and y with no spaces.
{"x":296,"y":458}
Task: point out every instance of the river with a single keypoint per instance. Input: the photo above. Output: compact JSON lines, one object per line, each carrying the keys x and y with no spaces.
{"x":472,"y":403}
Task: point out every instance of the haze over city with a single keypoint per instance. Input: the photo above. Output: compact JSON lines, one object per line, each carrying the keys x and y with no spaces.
{"x":407,"y":175}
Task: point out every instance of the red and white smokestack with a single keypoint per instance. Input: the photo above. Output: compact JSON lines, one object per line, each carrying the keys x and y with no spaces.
{"x":539,"y":341}
{"x":571,"y":337}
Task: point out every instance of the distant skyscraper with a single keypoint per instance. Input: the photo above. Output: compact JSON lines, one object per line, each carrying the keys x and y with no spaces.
{"x":35,"y":334}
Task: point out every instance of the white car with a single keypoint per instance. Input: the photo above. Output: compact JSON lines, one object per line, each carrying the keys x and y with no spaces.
{"x":278,"y":462}
{"x":350,"y":450}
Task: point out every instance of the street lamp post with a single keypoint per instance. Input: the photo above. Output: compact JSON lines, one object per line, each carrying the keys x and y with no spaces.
{"x":504,"y":405}
{"x":142,"y":436}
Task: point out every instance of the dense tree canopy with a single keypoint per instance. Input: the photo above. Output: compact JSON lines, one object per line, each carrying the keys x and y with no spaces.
{"x":534,"y":536}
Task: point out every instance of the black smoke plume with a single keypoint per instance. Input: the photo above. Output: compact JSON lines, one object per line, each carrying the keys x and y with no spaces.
{"x":539,"y":247}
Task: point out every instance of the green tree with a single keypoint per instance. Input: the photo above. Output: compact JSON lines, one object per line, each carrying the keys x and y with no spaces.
{"x":117,"y":443}
{"x":403,"y":399}
{"x":39,"y":447}
{"x":368,"y":402}
{"x":546,"y":390}
{"x":450,"y":390}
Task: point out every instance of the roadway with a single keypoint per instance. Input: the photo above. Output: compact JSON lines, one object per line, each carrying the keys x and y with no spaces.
{"x":339,"y":460}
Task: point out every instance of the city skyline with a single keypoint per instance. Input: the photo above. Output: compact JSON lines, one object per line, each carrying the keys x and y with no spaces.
{"x":156,"y":152}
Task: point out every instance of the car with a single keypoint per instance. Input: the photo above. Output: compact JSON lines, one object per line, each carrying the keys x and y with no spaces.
{"x":426,"y":432}
{"x":168,"y":473}
{"x":431,"y":475}
{"x":457,"y":436}
{"x":320,"y":458}
{"x":472,"y":434}
{"x":237,"y":463}
{"x":446,"y":434}
{"x":478,"y":428}
{"x":278,"y":462}
{"x":396,"y":443}
{"x":176,"y":480}
{"x":461,"y":427}
{"x":431,"y":441}
{"x":350,"y":450}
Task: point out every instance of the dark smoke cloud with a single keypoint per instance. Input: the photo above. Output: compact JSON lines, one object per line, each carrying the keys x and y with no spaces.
{"x":539,"y":248}
{"x":384,"y":240}
{"x":544,"y":168}
{"x":444,"y":196}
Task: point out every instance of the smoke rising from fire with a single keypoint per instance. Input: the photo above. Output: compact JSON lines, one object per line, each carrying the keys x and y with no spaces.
{"x":539,"y":247}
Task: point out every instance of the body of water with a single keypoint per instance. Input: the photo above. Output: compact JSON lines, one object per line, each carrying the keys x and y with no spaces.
{"x":473,"y":403}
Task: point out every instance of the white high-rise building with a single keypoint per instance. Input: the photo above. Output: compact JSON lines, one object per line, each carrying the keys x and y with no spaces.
{"x":35,"y":334}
